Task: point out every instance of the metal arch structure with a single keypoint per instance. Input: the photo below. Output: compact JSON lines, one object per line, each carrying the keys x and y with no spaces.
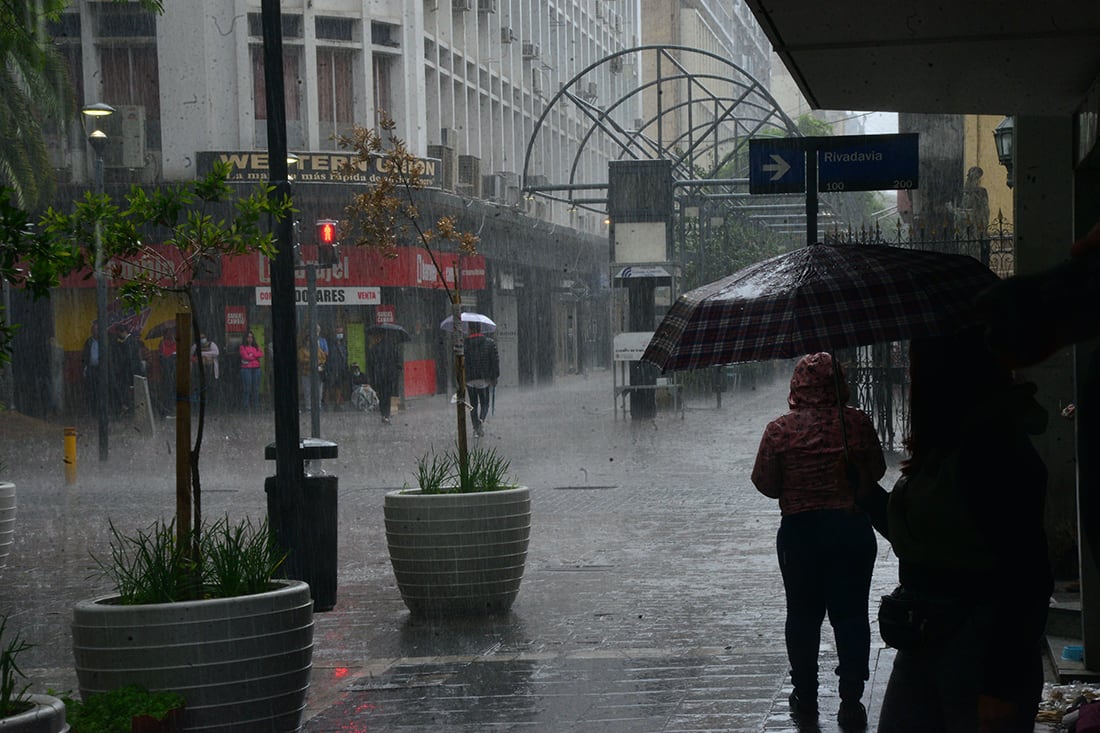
{"x":704,"y":130}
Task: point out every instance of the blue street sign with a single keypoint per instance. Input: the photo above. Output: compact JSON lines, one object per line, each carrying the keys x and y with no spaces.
{"x":844,"y":163}
{"x":867,"y":162}
{"x":777,"y":165}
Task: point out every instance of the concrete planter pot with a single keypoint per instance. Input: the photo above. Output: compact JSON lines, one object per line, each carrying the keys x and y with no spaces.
{"x":242,"y":664}
{"x":458,"y":554}
{"x":7,"y":519}
{"x":47,"y":716}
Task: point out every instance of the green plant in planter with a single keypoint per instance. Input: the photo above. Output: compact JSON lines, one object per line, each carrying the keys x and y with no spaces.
{"x":152,"y":566}
{"x":114,"y":711}
{"x":485,"y":470}
{"x":196,"y":223}
{"x":13,"y":699}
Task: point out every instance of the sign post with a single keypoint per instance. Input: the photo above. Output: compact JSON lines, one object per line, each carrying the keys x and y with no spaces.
{"x":835,"y":164}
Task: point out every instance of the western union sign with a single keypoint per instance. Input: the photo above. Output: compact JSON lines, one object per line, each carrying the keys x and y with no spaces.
{"x":322,"y":167}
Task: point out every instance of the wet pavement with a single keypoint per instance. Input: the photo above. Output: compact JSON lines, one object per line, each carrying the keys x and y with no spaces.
{"x":652,"y":599}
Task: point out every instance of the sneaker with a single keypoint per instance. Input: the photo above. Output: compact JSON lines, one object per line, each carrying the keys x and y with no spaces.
{"x":385,"y":421}
{"x":852,"y":715}
{"x":802,"y":708}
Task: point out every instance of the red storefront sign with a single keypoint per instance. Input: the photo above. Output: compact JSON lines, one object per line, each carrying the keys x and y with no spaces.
{"x":385,"y":314}
{"x":235,"y":319}
{"x":355,"y":267}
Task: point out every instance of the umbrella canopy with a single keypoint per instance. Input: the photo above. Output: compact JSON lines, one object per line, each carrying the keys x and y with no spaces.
{"x":822,"y":297}
{"x":487,"y":324}
{"x":391,"y":329}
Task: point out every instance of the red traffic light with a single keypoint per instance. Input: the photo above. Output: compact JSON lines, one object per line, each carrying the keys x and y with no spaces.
{"x":326,"y":231}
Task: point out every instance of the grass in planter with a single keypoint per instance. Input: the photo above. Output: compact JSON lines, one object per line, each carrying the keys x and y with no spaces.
{"x":12,"y":698}
{"x":152,"y":567}
{"x":149,"y":567}
{"x":440,"y":474}
{"x":113,"y":711}
{"x":239,"y":559}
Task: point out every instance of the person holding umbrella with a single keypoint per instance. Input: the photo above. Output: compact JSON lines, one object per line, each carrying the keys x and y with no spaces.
{"x":825,"y":544}
{"x":966,"y":522}
{"x":482,"y":371}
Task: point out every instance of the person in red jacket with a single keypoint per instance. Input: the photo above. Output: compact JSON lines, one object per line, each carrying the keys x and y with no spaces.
{"x":825,"y":544}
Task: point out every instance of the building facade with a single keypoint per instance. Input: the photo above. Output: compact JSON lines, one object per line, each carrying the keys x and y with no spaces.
{"x":463,"y":80}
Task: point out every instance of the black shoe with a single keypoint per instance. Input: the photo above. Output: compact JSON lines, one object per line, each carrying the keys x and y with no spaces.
{"x":852,"y":715}
{"x":802,"y":708}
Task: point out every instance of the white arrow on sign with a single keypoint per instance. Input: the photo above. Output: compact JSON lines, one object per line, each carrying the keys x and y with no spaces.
{"x":778,"y":168}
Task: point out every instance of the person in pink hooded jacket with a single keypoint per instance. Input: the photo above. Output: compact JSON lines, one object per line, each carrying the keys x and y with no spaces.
{"x":826,"y":545}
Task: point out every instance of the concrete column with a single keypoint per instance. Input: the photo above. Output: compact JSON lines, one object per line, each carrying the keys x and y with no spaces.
{"x":1087,"y":362}
{"x":1044,"y":231}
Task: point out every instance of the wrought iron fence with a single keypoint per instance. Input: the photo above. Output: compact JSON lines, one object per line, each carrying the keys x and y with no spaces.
{"x":878,"y":375}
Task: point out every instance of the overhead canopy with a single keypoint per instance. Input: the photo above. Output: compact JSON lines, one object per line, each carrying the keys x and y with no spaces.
{"x":958,"y":57}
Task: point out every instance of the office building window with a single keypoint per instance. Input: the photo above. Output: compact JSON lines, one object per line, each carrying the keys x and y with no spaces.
{"x":335,"y":93}
{"x":292,"y":85}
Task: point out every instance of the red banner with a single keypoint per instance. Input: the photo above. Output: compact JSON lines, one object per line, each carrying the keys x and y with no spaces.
{"x":355,"y":266}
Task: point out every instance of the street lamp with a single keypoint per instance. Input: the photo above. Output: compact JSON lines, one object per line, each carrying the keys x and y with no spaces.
{"x":98,"y":140}
{"x":1003,"y":135}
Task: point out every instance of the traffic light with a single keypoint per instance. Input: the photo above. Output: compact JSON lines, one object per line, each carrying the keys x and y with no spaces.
{"x":327,"y":241}
{"x":326,"y":232}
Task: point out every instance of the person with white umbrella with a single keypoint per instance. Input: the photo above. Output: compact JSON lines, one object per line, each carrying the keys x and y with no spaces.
{"x":482,"y":372}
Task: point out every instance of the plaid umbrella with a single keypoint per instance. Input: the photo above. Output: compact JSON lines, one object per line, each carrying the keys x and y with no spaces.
{"x":822,"y":297}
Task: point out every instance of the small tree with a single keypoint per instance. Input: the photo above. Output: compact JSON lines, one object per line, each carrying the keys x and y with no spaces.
{"x":386,"y":213}
{"x":198,"y":222}
{"x":27,"y":261}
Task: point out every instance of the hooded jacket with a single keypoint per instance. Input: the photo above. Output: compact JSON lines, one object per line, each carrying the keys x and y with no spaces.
{"x":801,"y":456}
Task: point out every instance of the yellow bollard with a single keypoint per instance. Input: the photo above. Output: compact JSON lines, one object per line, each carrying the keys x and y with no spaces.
{"x":70,"y":455}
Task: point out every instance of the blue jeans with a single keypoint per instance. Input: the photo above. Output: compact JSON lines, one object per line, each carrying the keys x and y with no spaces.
{"x":250,"y":388}
{"x":479,"y":404}
{"x":826,"y":558}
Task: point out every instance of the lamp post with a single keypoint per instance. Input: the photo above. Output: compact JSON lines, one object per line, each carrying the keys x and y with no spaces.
{"x":1003,"y":135}
{"x":98,"y":140}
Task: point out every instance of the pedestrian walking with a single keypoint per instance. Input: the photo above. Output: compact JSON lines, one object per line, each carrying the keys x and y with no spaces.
{"x":966,"y":522}
{"x":89,"y":362}
{"x":250,"y":354}
{"x":336,"y":371}
{"x":482,"y":371}
{"x":825,"y":544}
{"x":384,"y":361}
{"x":166,"y":355}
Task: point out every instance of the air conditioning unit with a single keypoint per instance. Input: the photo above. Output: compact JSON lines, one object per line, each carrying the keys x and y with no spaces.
{"x":589,"y":92}
{"x":506,"y":35}
{"x":616,"y":64}
{"x":536,"y":85}
{"x":492,"y":188}
{"x":639,"y":123}
{"x":125,"y":137}
{"x":448,"y":136}
{"x":460,"y":6}
{"x":530,"y":50}
{"x":618,"y":24}
{"x":469,"y":176}
{"x":449,"y":163}
{"x":486,"y":6}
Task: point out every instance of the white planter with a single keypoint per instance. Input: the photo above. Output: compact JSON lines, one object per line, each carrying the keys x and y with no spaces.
{"x":7,"y":519}
{"x":455,"y":554}
{"x":243,"y":664}
{"x":47,"y":716}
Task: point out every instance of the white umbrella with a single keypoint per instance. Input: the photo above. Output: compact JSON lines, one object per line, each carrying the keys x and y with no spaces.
{"x":487,"y":324}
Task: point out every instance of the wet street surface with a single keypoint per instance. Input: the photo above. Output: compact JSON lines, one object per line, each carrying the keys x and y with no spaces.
{"x":652,"y":599}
